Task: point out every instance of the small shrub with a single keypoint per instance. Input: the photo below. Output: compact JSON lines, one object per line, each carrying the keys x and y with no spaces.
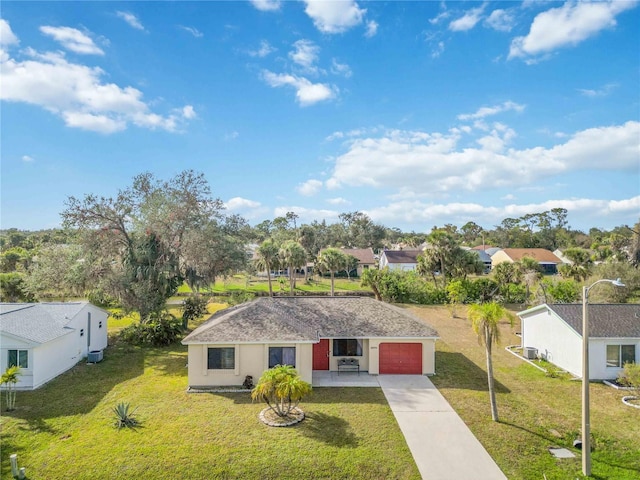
{"x":237,"y":298}
{"x":124,"y":417}
{"x":160,"y":330}
{"x":630,"y":375}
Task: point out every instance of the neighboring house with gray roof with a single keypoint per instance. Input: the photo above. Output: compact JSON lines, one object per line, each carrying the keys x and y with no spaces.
{"x":400,"y":259}
{"x":309,"y":333}
{"x":47,"y":339}
{"x":555,"y":331}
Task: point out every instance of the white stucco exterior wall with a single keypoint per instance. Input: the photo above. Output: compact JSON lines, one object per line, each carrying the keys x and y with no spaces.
{"x":598,"y":369}
{"x":554,"y":339}
{"x":250,"y":359}
{"x":9,"y":342}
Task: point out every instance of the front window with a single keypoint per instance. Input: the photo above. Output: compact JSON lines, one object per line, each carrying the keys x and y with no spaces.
{"x":221,"y":358}
{"x":282,"y":356}
{"x":347,"y":347}
{"x":618,"y":355}
{"x":18,"y":358}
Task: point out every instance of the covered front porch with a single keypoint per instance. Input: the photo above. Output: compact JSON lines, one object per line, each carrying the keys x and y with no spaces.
{"x":326,"y":378}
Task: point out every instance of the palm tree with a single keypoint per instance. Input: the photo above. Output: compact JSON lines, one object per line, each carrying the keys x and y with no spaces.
{"x":331,"y":260}
{"x":267,"y":258}
{"x":485,"y":320}
{"x":293,"y":256}
{"x":10,"y":377}
{"x":281,"y":388}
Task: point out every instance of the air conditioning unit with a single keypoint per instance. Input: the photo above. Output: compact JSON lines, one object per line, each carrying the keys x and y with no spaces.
{"x":530,"y":353}
{"x":94,"y":356}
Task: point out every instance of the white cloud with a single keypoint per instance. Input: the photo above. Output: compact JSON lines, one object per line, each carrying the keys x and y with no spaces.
{"x":7,"y":37}
{"x":439,"y":18}
{"x":427,"y":213}
{"x":508,"y":197}
{"x":262,"y":51}
{"x":231,"y":135}
{"x":193,"y":31}
{"x":338,"y":68}
{"x":27,"y":159}
{"x":309,"y":188}
{"x":307,"y":215}
{"x":432,"y":162}
{"x":188,"y":112}
{"x":601,"y":92}
{"x":131,"y":19}
{"x":489,"y":111}
{"x":372,"y":29}
{"x":501,"y":20}
{"x":305,"y":54}
{"x":307,"y":93}
{"x":567,"y":25}
{"x":267,"y":5}
{"x":437,"y":50}
{"x":338,"y":201}
{"x":239,"y":203}
{"x":79,"y":96}
{"x":334,"y":17}
{"x":72,"y":39}
{"x":467,"y":21}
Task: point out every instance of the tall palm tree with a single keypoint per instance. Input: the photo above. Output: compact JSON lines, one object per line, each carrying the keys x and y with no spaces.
{"x":485,"y":320}
{"x":267,"y":259}
{"x":293,"y":256}
{"x":331,"y":260}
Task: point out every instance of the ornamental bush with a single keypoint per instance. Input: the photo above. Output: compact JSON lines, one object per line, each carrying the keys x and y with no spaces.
{"x":161,"y":329}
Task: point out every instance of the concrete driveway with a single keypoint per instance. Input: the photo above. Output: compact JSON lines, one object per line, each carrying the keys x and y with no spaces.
{"x":442,"y":445}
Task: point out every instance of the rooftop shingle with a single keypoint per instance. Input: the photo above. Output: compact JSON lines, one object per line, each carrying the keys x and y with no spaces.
{"x":305,"y":319}
{"x":605,"y":320}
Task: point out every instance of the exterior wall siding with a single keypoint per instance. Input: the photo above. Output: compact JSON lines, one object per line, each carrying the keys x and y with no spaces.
{"x":555,"y":340}
{"x":25,"y":380}
{"x":598,"y":369}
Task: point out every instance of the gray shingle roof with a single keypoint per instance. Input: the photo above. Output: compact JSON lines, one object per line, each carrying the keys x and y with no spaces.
{"x":38,"y":322}
{"x":304,"y":319}
{"x":605,"y":320}
{"x":402,"y":256}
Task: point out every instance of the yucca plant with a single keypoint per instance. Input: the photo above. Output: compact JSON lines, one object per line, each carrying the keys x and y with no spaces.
{"x":124,"y":417}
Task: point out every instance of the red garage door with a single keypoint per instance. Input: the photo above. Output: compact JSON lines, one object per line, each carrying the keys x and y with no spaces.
{"x":401,"y":358}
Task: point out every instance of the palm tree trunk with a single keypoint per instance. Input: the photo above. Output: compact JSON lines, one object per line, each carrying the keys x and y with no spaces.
{"x":269,"y":279}
{"x":492,"y":392}
{"x":332,"y":283}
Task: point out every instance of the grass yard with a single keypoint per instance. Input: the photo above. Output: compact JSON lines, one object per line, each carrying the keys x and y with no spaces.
{"x":536,"y":411}
{"x":64,"y":429}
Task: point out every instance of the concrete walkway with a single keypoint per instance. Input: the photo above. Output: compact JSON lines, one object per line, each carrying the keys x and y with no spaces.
{"x":442,"y":445}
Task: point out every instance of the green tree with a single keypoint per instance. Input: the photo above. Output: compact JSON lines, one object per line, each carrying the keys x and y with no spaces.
{"x":281,"y":388}
{"x":141,"y":236}
{"x":292,"y":256}
{"x":372,"y":278}
{"x":13,"y":288}
{"x":331,"y":260}
{"x":58,"y":271}
{"x":485,"y":321}
{"x":267,"y":259}
{"x":193,"y":307}
{"x":10,"y":378}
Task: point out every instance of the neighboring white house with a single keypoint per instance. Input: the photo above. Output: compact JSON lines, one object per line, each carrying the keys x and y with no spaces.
{"x":308,"y":333}
{"x":47,"y":339}
{"x":400,"y":259}
{"x":555,"y":331}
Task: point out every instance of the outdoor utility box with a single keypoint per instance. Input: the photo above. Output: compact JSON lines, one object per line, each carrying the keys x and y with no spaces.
{"x":530,"y":353}
{"x":94,"y":356}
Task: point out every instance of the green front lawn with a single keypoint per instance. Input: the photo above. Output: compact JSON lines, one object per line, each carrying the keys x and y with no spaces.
{"x":64,"y":430}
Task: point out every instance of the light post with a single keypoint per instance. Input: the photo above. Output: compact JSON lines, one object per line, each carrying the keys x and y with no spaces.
{"x":586,"y":426}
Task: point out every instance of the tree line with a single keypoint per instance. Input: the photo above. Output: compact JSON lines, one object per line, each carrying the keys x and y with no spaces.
{"x":136,"y":248}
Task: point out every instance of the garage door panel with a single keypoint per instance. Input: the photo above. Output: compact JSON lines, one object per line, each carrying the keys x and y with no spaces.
{"x":401,"y":358}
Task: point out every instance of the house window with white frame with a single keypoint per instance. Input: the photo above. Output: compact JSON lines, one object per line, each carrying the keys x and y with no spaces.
{"x":222,"y":358}
{"x":282,"y":356}
{"x":18,"y":358}
{"x":618,"y":355}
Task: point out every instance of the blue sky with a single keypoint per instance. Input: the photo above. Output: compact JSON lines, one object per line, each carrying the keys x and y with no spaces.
{"x":416,"y":113}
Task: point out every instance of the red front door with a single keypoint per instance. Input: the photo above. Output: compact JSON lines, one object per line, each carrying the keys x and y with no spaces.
{"x":321,"y":355}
